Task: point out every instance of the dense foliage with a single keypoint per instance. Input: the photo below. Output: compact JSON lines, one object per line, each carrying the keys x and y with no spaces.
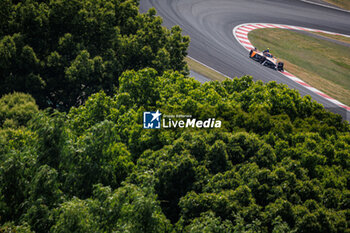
{"x":62,"y":51}
{"x":280,"y":162}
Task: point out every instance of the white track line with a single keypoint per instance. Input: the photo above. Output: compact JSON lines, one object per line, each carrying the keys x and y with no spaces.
{"x":241,"y":31}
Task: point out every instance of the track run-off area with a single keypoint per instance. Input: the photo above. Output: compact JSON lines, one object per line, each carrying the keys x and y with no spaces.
{"x":210,"y":24}
{"x":240,"y":32}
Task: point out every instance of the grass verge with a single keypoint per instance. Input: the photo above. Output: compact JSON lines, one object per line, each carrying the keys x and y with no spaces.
{"x":334,"y":37}
{"x":345,"y":4}
{"x":203,"y":70}
{"x":322,"y":64}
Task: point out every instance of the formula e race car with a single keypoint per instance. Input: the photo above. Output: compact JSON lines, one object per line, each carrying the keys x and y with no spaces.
{"x":266,"y":59}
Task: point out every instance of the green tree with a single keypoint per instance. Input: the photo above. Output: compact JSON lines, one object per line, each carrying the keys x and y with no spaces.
{"x":51,"y":135}
{"x":143,"y":86}
{"x":67,"y":63}
{"x":175,"y":179}
{"x":74,"y":216}
{"x":128,"y":209}
{"x":98,"y":158}
{"x":16,"y":110}
{"x":209,"y":223}
{"x":15,"y":175}
{"x":217,"y":157}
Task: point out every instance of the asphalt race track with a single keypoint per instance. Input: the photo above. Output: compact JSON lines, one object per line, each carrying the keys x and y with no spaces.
{"x":209,"y":23}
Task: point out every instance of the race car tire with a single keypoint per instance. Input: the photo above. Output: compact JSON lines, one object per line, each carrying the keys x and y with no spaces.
{"x":280,"y":66}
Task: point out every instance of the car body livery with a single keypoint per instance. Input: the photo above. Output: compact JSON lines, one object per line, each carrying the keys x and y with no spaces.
{"x":266,"y":59}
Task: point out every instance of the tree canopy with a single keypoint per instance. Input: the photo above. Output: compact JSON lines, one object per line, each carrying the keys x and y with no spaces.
{"x":279,"y":163}
{"x":62,"y":51}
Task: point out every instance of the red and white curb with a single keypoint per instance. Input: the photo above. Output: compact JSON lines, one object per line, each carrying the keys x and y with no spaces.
{"x":241,"y":31}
